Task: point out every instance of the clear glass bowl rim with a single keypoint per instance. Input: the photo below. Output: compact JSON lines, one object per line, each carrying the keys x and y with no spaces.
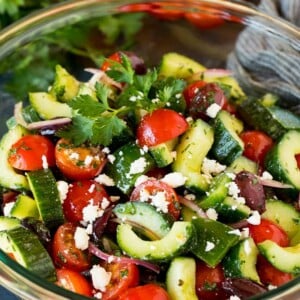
{"x":46,"y":20}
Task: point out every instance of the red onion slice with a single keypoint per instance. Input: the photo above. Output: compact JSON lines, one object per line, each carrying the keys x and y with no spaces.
{"x":102,"y":76}
{"x":274,"y":183}
{"x":49,"y":123}
{"x":112,"y":258}
{"x":193,"y":206}
{"x":216,"y":73}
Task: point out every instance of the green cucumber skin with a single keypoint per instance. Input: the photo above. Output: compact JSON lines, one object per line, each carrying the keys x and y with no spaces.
{"x":44,"y":189}
{"x":30,"y":253}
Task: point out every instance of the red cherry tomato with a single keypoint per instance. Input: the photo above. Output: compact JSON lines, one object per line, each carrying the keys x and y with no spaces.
{"x":74,"y":281}
{"x":64,"y":251}
{"x":203,"y":20}
{"x":152,"y":187}
{"x":191,"y":90}
{"x":148,"y":291}
{"x":257,"y":145}
{"x":208,"y":282}
{"x":160,"y":126}
{"x":297,"y":157}
{"x":204,"y":97}
{"x":124,"y":276}
{"x":268,"y":274}
{"x":78,"y":163}
{"x":229,"y":107}
{"x":268,"y":230}
{"x":144,"y":7}
{"x":82,"y":194}
{"x":114,"y":57}
{"x":167,"y":11}
{"x":29,"y":152}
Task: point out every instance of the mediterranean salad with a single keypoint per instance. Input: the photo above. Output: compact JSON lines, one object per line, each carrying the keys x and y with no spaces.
{"x":141,"y":182}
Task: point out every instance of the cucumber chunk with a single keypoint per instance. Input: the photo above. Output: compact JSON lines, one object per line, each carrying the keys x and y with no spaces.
{"x":243,"y":163}
{"x":191,"y":151}
{"x":281,"y":162}
{"x":44,"y":189}
{"x":181,"y":279}
{"x":7,"y":223}
{"x":9,"y":177}
{"x":28,"y":251}
{"x":176,"y":242}
{"x":24,"y":207}
{"x":145,"y":217}
{"x":241,"y":261}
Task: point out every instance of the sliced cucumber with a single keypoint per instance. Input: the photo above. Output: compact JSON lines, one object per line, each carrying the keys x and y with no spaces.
{"x":24,"y":207}
{"x":44,"y":189}
{"x":240,"y":261}
{"x":9,"y":178}
{"x":145,"y":217}
{"x":179,"y":66}
{"x":213,"y":241}
{"x":283,"y":214}
{"x":65,"y":85}
{"x":281,"y":162}
{"x":176,"y":242}
{"x":227,"y":143}
{"x":190,"y":153}
{"x":285,"y":259}
{"x":48,"y":107}
{"x":28,"y":251}
{"x":7,"y":223}
{"x":181,"y":279}
{"x":243,"y":163}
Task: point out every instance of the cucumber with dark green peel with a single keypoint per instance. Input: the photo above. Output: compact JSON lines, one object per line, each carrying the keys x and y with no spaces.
{"x":44,"y":189}
{"x":227,"y":144}
{"x":240,"y":261}
{"x":213,"y":240}
{"x":280,"y":160}
{"x":28,"y":251}
{"x":177,"y":241}
{"x":181,"y":279}
{"x":243,"y":163}
{"x":144,"y":217}
{"x":271,"y":119}
{"x":190,"y":153}
{"x":9,"y":177}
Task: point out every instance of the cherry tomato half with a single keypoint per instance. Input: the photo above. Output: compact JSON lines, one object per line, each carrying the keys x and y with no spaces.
{"x":208,"y":282}
{"x":160,"y":126}
{"x":78,"y":163}
{"x":191,"y":90}
{"x":30,"y":152}
{"x":268,"y":274}
{"x":148,"y":291}
{"x":64,"y":251}
{"x":74,"y":281}
{"x":257,"y":145}
{"x":82,"y":194}
{"x":268,"y":230}
{"x":117,"y":57}
{"x":152,"y":187}
{"x":123,"y":277}
{"x":203,"y":20}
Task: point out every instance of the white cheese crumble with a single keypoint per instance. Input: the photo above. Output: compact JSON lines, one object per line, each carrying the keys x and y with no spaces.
{"x":235,"y":232}
{"x":234,"y":298}
{"x":209,"y":246}
{"x":44,"y":162}
{"x":213,"y":110}
{"x":266,"y":175}
{"x":141,"y":179}
{"x":111,"y":158}
{"x":245,"y":233}
{"x":100,"y":278}
{"x":160,"y":202}
{"x":254,"y":218}
{"x":212,"y":214}
{"x":174,"y":179}
{"x":88,"y":160}
{"x":74,"y":156}
{"x":105,"y":180}
{"x":91,"y":212}
{"x":211,"y":166}
{"x":138,"y":166}
{"x":81,"y":238}
{"x":233,"y":190}
{"x":63,"y":189}
{"x":7,"y":208}
{"x":92,"y":188}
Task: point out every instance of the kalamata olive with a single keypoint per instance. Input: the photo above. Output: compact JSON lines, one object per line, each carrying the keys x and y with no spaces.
{"x":100,"y":224}
{"x":207,"y":95}
{"x":252,"y":190}
{"x":242,"y":287}
{"x":137,"y":63}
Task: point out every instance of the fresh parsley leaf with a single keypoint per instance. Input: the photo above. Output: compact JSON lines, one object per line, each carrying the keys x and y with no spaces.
{"x":102,"y":92}
{"x":79,"y":131}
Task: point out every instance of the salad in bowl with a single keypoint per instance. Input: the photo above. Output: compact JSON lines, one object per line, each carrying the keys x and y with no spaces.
{"x":151,"y":181}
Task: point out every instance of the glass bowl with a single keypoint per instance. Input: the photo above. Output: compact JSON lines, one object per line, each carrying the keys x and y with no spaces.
{"x":73,"y":33}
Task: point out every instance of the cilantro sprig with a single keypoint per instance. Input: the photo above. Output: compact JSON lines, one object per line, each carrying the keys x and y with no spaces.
{"x":94,"y":121}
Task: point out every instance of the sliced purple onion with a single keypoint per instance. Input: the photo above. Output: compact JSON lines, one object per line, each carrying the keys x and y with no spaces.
{"x":49,"y":124}
{"x":193,"y":206}
{"x":215,"y":73}
{"x":274,"y":183}
{"x":93,"y":249}
{"x":99,"y":75}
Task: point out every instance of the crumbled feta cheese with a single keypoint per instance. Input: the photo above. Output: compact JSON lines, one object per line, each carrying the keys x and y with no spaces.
{"x":88,"y":160}
{"x":91,"y":188}
{"x":81,"y":238}
{"x":245,"y":233}
{"x":233,"y":190}
{"x":209,"y":246}
{"x":106,"y":150}
{"x":138,"y":166}
{"x":190,"y":197}
{"x":63,"y":188}
{"x":266,"y":175}
{"x":254,"y":218}
{"x":44,"y":162}
{"x":235,"y":232}
{"x":89,"y":228}
{"x":74,"y":155}
{"x":272,"y":287}
{"x":213,"y":110}
{"x":232,"y":176}
{"x":98,"y":295}
{"x":140,"y":180}
{"x":144,"y":195}
{"x":105,"y":203}
{"x":234,"y":298}
{"x":100,"y":278}
{"x":7,"y":208}
{"x":105,"y":180}
{"x":132,"y":98}
{"x":174,"y":179}
{"x":160,"y":202}
{"x":212,"y":214}
{"x":91,"y":212}
{"x":111,"y":158}
{"x":211,"y":166}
